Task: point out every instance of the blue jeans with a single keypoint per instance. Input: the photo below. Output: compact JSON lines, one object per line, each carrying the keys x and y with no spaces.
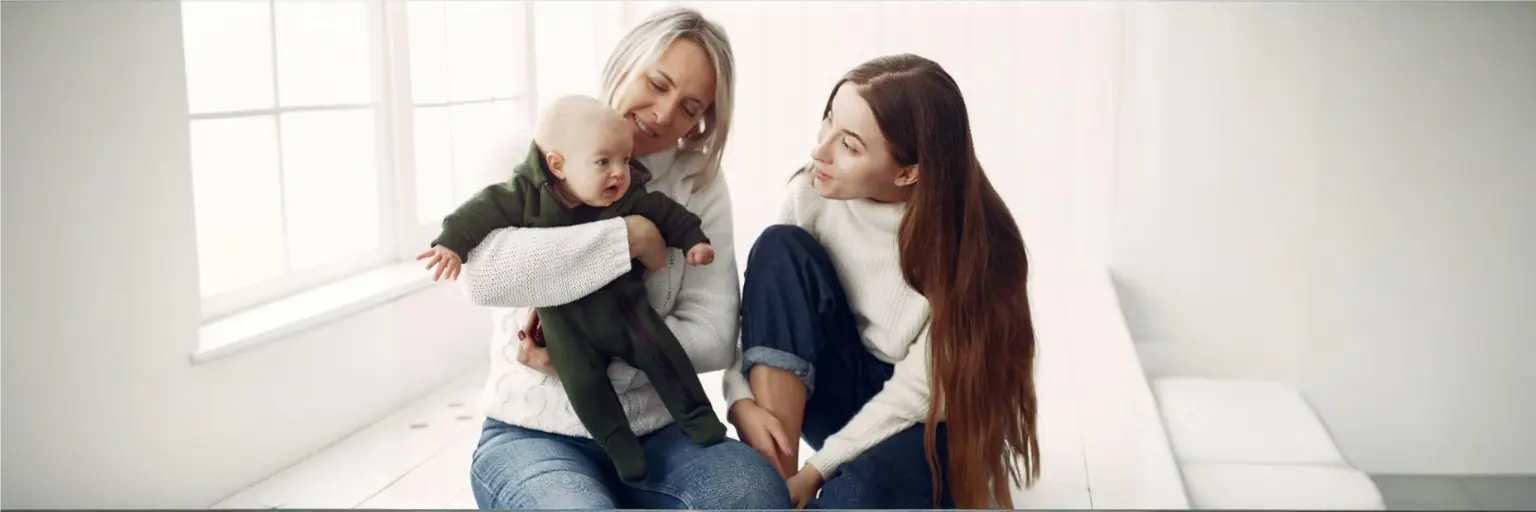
{"x":519,"y":468}
{"x":795,"y":317}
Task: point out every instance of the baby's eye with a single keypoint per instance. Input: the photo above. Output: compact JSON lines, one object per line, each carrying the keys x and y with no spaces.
{"x":602,"y":161}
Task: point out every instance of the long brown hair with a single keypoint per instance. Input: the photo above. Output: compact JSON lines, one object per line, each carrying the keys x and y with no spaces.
{"x":961,"y":249}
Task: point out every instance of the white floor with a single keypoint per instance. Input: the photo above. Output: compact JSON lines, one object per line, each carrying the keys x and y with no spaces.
{"x":416,"y":458}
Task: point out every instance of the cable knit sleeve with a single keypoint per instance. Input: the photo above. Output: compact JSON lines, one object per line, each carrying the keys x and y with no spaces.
{"x":705,"y":316}
{"x":902,"y":403}
{"x":734,"y":384}
{"x":538,"y":267}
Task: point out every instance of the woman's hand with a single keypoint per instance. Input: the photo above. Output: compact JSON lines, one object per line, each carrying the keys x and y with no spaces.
{"x":530,"y":346}
{"x":803,"y":486}
{"x":761,"y":430}
{"x":645,"y":243}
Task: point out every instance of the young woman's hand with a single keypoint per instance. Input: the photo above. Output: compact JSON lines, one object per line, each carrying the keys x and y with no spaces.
{"x":803,"y":486}
{"x":761,"y":430}
{"x":530,"y":346}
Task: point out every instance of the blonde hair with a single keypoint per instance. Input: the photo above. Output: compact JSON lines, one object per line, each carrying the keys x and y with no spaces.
{"x":643,"y":45}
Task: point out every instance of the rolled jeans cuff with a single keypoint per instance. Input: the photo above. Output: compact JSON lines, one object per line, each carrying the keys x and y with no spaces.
{"x":782,"y":360}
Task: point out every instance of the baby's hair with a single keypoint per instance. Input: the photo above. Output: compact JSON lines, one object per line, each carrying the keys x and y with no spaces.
{"x":571,"y":114}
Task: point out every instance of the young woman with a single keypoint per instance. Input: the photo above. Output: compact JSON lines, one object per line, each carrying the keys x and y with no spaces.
{"x":671,"y":78}
{"x":887,"y":319}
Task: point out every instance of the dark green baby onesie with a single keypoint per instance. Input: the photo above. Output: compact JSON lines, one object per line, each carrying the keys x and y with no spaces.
{"x":614,"y":322}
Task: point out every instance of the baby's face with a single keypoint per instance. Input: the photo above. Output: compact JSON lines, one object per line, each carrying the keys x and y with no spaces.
{"x":597,"y":165}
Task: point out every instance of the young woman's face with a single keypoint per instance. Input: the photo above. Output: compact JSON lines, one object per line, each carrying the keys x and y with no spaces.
{"x":668,"y":99}
{"x":852,"y":158}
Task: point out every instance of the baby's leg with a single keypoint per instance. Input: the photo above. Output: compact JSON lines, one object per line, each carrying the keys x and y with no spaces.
{"x":661,"y":357}
{"x":583,"y":372}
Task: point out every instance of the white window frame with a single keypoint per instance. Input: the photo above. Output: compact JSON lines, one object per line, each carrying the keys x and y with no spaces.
{"x":233,"y":302}
{"x":413,"y":236}
{"x":402,"y":236}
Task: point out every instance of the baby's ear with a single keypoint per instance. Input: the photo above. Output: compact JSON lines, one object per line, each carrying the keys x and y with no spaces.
{"x":556,"y":163}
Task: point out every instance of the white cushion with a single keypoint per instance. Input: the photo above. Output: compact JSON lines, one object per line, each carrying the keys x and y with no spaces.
{"x":1266,"y":487}
{"x":1242,"y":422}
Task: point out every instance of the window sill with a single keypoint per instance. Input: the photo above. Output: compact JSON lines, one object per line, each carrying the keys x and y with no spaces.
{"x":307,"y":309}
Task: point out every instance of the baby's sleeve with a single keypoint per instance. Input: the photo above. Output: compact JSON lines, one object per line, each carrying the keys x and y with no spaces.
{"x":494,"y":207}
{"x":678,"y":226}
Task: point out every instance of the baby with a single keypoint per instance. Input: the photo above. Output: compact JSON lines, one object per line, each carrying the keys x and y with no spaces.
{"x":577,"y":171}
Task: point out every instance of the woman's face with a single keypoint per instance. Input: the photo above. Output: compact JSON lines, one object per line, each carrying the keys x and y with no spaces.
{"x":668,"y":99}
{"x":852,"y":159}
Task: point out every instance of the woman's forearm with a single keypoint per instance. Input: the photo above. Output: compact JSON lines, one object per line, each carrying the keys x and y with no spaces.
{"x":540,"y":267}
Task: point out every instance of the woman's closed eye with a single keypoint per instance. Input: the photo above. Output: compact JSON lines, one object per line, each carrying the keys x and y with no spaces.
{"x":826,"y":125}
{"x":688,"y":108}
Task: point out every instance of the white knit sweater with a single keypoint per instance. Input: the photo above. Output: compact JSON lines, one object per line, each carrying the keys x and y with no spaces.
{"x":860,"y":237}
{"x":515,"y":269}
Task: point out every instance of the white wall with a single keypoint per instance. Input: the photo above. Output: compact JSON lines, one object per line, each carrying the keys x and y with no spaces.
{"x":1342,"y":196}
{"x":102,"y":406}
{"x":1038,"y":79}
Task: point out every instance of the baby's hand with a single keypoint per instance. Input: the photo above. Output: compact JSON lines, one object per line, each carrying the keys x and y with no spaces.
{"x":444,"y":259}
{"x":701,"y":254}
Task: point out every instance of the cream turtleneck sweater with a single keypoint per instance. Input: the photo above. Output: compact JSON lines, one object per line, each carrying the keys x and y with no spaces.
{"x":860,"y":237}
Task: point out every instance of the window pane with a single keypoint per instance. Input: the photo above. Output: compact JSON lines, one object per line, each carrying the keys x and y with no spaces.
{"x":485,"y":43}
{"x":228,"y":47}
{"x":567,"y":59}
{"x":238,"y":203}
{"x":434,"y":165}
{"x":322,"y":53}
{"x":479,"y":129}
{"x":429,"y":52}
{"x":330,"y":178}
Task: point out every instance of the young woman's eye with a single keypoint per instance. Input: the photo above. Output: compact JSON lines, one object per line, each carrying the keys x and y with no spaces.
{"x":846,"y":144}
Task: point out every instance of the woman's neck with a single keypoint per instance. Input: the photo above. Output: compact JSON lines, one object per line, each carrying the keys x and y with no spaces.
{"x":658,"y":163}
{"x":892,"y":195}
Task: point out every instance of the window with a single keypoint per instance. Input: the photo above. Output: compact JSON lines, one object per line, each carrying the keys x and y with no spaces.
{"x":329,"y":138}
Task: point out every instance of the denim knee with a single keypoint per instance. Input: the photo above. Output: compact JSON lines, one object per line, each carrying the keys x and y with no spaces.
{"x":782,"y":240}
{"x":515,"y":468}
{"x":740,"y":479}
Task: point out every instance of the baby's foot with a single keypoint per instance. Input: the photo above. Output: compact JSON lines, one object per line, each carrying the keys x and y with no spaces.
{"x":704,"y":430}
{"x":628,"y":459}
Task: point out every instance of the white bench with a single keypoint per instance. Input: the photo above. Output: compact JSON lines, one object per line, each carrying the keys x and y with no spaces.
{"x":1258,"y":446}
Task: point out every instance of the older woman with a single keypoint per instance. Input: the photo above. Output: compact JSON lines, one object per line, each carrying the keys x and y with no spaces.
{"x":671,"y":78}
